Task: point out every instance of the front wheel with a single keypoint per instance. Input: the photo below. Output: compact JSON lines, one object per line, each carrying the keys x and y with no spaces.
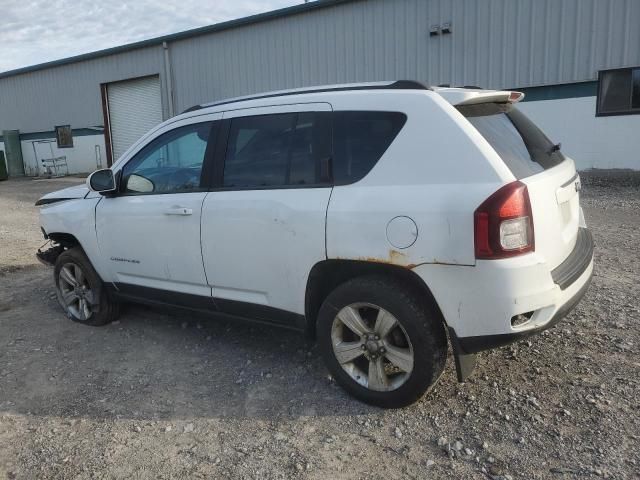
{"x":381,"y":342}
{"x":80,"y":290}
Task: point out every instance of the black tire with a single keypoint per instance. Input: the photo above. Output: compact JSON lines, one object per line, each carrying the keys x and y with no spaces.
{"x":102,"y":309}
{"x":420,"y":322}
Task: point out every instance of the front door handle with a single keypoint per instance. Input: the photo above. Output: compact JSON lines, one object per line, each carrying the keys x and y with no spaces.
{"x":178,"y":211}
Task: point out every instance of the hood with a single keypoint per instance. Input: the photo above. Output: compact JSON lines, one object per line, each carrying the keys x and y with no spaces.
{"x":70,"y":193}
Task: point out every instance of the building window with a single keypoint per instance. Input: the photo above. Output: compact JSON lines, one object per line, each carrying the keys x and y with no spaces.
{"x":64,"y":136}
{"x":619,"y":91}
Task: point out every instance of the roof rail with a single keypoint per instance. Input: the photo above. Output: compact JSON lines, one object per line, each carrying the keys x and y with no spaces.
{"x":397,"y":85}
{"x":448,"y":85}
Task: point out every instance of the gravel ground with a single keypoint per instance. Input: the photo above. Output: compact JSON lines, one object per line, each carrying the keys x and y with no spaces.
{"x":170,"y":395}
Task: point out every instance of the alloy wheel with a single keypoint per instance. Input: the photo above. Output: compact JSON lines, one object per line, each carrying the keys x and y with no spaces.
{"x":372,"y":347}
{"x":76,"y":294}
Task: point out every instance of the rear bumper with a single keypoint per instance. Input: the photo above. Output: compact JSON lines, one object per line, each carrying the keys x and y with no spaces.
{"x":479,"y":343}
{"x":576,"y":263}
{"x":479,"y":303}
{"x":572,"y":277}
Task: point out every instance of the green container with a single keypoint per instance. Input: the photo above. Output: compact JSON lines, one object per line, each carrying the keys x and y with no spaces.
{"x":3,"y":167}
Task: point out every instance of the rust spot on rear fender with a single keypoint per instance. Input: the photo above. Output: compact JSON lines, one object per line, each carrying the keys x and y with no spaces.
{"x":395,"y":258}
{"x":399,"y":259}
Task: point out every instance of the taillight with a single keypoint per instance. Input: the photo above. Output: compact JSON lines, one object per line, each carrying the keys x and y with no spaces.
{"x":503,"y":224}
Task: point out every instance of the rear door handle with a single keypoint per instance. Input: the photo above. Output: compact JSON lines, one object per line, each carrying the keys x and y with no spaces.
{"x":178,"y":211}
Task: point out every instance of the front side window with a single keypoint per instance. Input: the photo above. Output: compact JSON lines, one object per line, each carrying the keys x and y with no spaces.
{"x":286,"y":149}
{"x":619,"y":91}
{"x":171,"y":163}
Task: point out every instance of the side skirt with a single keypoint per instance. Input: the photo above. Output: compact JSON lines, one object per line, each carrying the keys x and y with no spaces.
{"x":219,"y":307}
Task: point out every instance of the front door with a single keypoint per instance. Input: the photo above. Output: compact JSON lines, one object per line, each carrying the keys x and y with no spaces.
{"x":150,"y":232}
{"x":263,"y":227}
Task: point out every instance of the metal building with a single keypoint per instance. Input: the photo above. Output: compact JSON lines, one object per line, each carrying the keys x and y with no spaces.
{"x":578,"y":61}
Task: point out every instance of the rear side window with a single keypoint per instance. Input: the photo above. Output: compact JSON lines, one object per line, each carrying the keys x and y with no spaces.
{"x":359,"y":140}
{"x":523,"y":147}
{"x":277,"y":150}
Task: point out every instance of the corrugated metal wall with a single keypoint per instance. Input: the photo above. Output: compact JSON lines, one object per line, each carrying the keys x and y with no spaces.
{"x":495,"y":44}
{"x":70,"y":94}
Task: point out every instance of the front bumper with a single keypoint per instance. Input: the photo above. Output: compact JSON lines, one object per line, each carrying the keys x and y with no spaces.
{"x":48,"y":256}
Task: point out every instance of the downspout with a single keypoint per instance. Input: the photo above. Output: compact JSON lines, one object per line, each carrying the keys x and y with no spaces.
{"x":168,"y":79}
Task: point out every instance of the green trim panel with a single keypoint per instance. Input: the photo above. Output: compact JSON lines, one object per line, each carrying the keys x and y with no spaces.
{"x":556,"y":92}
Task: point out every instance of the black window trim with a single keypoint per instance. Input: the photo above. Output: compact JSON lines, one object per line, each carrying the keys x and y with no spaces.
{"x":217,"y":181}
{"x":630,"y":111}
{"x":212,"y":175}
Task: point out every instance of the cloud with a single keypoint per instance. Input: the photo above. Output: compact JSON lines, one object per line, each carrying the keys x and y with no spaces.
{"x":36,"y":31}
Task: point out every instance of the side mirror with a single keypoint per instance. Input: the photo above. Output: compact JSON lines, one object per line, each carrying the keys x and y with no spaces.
{"x":102,"y":181}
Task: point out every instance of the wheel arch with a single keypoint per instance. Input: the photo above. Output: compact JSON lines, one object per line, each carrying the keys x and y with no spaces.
{"x":60,"y":243}
{"x":326,"y":275}
{"x":67,"y":240}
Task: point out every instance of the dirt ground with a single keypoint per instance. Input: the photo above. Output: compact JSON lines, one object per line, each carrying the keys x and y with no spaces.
{"x":170,"y":395}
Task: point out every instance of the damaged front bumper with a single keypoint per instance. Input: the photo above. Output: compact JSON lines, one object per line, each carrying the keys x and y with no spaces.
{"x":48,"y":253}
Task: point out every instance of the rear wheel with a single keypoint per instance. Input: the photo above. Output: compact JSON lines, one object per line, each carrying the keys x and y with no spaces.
{"x":381,"y":342}
{"x":80,"y":290}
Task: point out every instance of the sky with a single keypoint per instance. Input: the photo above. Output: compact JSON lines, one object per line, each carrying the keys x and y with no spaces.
{"x":37,"y":31}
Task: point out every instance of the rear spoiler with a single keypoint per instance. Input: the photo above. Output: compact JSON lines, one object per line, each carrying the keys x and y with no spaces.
{"x":467,"y":96}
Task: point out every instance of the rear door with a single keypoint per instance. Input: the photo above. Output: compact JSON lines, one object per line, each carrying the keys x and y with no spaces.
{"x":263,"y":227}
{"x":550,"y":176}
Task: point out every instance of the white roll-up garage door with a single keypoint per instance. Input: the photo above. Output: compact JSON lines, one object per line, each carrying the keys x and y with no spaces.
{"x":135,"y":107}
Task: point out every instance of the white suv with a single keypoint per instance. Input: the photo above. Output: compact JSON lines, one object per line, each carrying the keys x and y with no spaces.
{"x":382,"y":218}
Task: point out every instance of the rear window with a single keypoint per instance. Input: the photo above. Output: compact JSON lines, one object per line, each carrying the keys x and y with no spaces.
{"x":523,"y":147}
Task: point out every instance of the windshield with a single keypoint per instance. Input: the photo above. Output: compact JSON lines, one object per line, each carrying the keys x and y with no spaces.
{"x":523,"y":147}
